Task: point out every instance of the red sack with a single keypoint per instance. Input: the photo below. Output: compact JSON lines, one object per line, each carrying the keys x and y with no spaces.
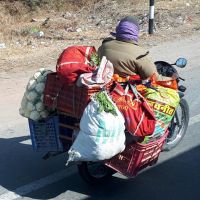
{"x":139,"y":117}
{"x":74,"y":61}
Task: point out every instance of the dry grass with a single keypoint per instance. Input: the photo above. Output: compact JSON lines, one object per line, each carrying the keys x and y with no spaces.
{"x":15,"y":15}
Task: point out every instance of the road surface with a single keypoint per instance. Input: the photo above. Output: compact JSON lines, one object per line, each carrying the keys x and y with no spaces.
{"x":24,"y":175}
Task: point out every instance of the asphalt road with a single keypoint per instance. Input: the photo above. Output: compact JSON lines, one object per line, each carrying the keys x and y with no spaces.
{"x":24,"y":175}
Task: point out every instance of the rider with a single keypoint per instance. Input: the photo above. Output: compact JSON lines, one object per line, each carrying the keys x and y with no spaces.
{"x":127,"y":57}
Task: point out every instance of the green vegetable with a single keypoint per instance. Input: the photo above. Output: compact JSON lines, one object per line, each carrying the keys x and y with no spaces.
{"x":105,"y":104}
{"x":94,"y":59}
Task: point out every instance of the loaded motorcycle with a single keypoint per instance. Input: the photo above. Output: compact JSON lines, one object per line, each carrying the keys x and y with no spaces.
{"x":136,"y":156}
{"x":97,"y":172}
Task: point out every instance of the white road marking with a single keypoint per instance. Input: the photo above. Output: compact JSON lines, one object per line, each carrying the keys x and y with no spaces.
{"x":38,"y":184}
{"x":27,"y":142}
{"x":195,"y":119}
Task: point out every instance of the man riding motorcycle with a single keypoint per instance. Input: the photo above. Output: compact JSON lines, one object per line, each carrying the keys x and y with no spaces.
{"x":127,"y":56}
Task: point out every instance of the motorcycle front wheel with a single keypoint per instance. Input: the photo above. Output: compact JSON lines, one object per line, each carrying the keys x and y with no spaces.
{"x":94,"y":172}
{"x":178,"y":126}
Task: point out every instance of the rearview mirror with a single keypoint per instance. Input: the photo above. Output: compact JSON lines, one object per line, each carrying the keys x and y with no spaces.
{"x":181,"y":62}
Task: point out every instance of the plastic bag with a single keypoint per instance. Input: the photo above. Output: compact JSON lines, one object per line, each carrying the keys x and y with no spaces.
{"x":101,"y":134}
{"x":164,"y":102}
{"x":139,"y":116}
{"x":98,"y":78}
{"x":168,"y":84}
{"x":74,"y":61}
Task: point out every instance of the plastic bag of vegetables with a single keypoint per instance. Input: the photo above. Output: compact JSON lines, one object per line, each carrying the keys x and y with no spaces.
{"x":32,"y":102}
{"x":101,"y":134}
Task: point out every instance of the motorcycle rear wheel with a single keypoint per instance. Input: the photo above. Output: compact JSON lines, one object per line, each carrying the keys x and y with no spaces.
{"x":178,"y":126}
{"x":94,"y":172}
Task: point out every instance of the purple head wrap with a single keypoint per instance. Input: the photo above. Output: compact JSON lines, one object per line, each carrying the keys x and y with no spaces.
{"x":127,"y":30}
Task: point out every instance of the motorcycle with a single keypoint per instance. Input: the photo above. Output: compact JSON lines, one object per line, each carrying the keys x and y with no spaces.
{"x":98,"y":172}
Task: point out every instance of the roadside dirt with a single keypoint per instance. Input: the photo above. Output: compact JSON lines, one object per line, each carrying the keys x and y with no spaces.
{"x":88,"y":25}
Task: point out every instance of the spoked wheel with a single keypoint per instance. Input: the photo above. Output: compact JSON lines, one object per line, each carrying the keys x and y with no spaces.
{"x":94,"y":172}
{"x":178,"y":126}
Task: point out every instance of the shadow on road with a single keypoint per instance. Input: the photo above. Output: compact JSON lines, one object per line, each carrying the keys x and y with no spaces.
{"x":175,"y":179}
{"x":20,"y":165}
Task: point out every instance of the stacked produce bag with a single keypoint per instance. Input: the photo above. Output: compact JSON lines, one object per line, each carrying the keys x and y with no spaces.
{"x":86,"y":89}
{"x":101,"y":134}
{"x":81,"y":79}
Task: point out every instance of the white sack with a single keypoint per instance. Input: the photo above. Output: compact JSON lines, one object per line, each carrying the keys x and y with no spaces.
{"x":101,"y":135}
